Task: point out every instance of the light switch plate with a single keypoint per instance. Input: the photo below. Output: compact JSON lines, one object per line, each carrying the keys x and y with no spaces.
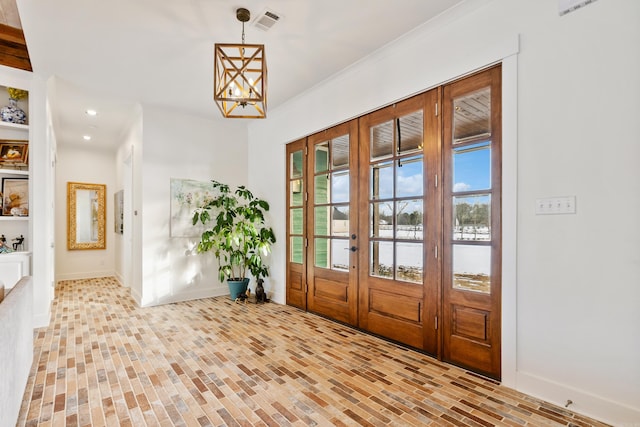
{"x":556,"y":205}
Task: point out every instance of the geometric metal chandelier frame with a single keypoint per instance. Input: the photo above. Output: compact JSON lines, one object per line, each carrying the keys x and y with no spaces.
{"x":240,"y":77}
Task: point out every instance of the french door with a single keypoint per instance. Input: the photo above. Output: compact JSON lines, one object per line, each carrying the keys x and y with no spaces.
{"x":332,"y":222}
{"x":393,"y":222}
{"x":399,"y":222}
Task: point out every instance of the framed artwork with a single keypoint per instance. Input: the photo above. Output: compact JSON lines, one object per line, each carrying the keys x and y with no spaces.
{"x":186,"y":196}
{"x":14,"y":152}
{"x":118,"y":199}
{"x":15,"y":196}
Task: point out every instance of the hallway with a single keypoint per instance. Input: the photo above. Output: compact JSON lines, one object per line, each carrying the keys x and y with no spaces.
{"x":211,"y":362}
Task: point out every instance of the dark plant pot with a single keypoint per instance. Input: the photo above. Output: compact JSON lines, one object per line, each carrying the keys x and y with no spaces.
{"x":237,"y":287}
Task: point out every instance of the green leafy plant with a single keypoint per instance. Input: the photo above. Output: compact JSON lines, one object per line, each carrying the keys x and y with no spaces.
{"x":235,"y":231}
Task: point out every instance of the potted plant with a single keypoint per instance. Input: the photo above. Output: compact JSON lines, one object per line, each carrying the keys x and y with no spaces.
{"x":235,"y":231}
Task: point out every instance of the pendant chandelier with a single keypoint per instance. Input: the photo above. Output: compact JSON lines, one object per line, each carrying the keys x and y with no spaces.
{"x":240,"y":77}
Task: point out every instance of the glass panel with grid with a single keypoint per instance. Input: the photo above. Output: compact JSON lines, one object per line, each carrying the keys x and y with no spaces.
{"x":331,"y":203}
{"x":396,"y":199}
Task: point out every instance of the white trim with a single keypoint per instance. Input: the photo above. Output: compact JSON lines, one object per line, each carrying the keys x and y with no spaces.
{"x":598,"y":407}
{"x":509,"y":217}
{"x":85,"y":275}
{"x":214,"y":291}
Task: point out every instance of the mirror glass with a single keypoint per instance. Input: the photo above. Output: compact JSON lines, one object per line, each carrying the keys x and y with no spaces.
{"x":86,"y":216}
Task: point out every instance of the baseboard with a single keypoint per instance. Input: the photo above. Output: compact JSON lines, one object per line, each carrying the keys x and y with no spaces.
{"x":120,"y":279}
{"x":278,"y":298}
{"x":591,"y":405}
{"x":85,"y":275}
{"x":42,"y":320}
{"x":182,"y":296}
{"x":137,"y":297}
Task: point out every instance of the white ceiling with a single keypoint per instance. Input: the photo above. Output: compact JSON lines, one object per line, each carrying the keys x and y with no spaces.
{"x":112,"y":55}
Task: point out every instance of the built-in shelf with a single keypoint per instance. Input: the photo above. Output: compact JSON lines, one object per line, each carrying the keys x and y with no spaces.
{"x":14,"y":172}
{"x":13,"y":218}
{"x":8,"y":125}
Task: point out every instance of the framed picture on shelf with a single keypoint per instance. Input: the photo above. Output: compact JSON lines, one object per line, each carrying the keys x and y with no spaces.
{"x":14,"y":153}
{"x":15,"y":196}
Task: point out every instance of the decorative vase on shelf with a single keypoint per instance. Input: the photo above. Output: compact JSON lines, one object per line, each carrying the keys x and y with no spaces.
{"x":12,"y":113}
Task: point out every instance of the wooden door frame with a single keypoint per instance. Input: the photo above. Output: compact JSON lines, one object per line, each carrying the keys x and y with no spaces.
{"x":507,"y":134}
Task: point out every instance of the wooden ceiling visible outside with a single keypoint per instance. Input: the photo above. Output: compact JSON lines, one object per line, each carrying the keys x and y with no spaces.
{"x":13,"y":47}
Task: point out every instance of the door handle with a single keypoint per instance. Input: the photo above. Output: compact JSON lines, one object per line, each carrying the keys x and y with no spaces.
{"x":353,"y":249}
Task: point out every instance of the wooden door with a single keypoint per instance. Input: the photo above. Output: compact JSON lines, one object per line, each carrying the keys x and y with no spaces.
{"x":400,"y":222}
{"x":332,"y":222}
{"x":296,"y":212}
{"x":472,"y":251}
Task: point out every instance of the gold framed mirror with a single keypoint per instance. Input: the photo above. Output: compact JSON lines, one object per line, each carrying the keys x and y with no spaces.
{"x":86,"y":212}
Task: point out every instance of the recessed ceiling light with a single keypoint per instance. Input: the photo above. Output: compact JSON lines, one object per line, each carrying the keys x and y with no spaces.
{"x":86,"y":138}
{"x":91,"y":112}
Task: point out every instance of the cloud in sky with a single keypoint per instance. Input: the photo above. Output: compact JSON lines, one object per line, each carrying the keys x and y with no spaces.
{"x":410,"y":185}
{"x":461,"y":186}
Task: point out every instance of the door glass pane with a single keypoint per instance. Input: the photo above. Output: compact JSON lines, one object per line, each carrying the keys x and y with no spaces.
{"x":321,"y":220}
{"x":472,"y":268}
{"x":321,"y":189}
{"x":381,"y":220}
{"x":382,"y":180}
{"x":340,"y":152}
{"x":381,"y":259}
{"x":296,"y":249}
{"x":340,"y":254}
{"x":472,"y":167}
{"x":409,"y":219}
{"x":296,"y":221}
{"x":410,"y":181}
{"x":296,"y":192}
{"x":409,"y":262}
{"x":409,"y":132}
{"x":296,"y":165}
{"x":472,"y":116}
{"x":340,"y":187}
{"x":340,"y":221}
{"x":321,"y":255}
{"x":382,"y":140}
{"x":322,"y":156}
{"x":472,"y":217}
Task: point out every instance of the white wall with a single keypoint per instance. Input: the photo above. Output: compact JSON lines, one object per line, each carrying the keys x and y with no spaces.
{"x":181,"y":146}
{"x":127,"y":246}
{"x":575,"y":87}
{"x":94,"y":167}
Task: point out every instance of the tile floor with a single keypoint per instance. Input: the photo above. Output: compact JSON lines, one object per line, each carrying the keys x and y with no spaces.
{"x":103,"y":361}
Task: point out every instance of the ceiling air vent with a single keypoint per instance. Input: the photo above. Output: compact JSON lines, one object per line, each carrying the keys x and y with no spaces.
{"x":266,"y":20}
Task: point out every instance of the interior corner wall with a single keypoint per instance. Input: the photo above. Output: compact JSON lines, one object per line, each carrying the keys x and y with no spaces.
{"x":577,"y":128}
{"x":127,"y":244}
{"x":184,"y":147}
{"x":75,"y":164}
